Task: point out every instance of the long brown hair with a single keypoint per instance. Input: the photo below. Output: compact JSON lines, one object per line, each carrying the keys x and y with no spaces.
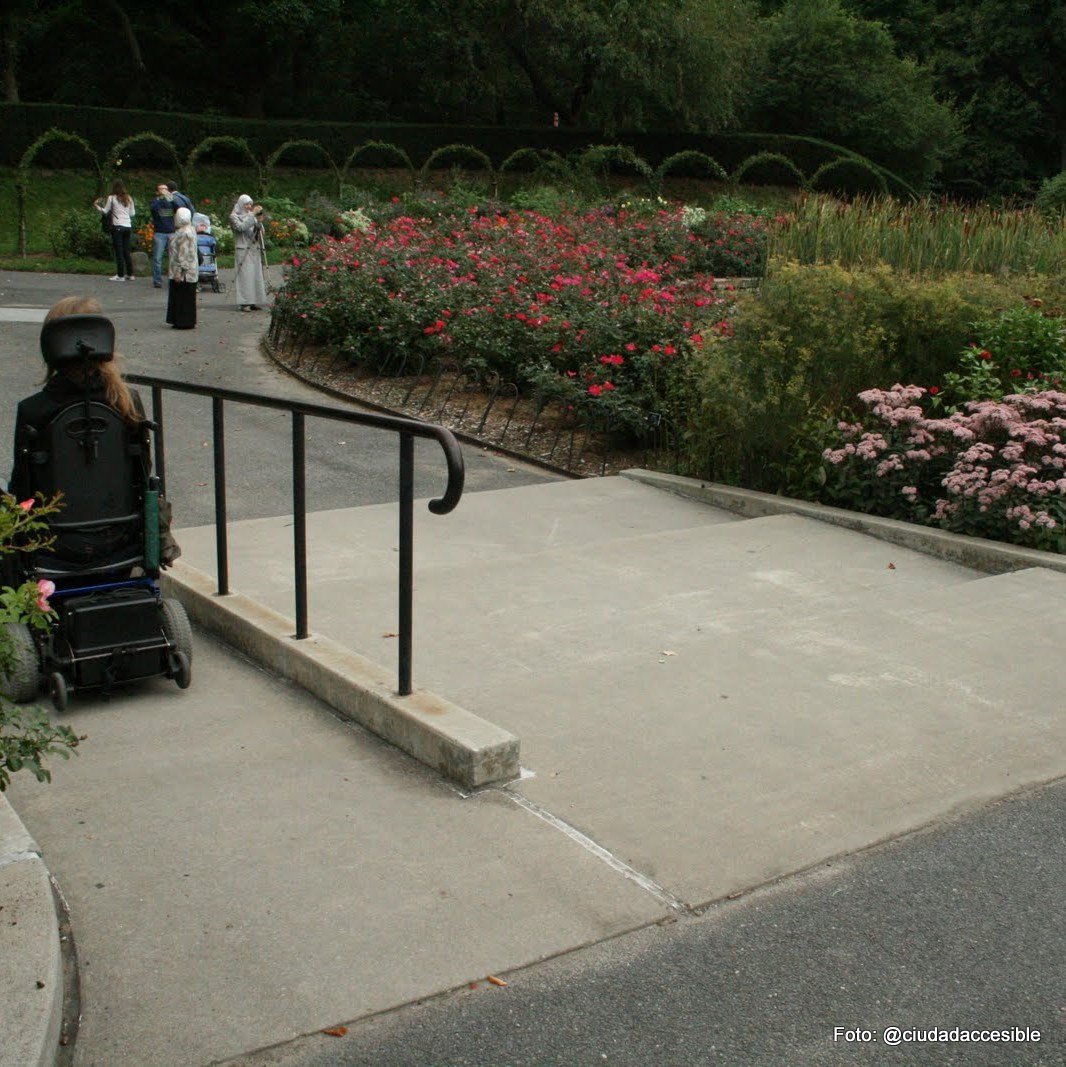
{"x":115,"y":389}
{"x":118,"y":191}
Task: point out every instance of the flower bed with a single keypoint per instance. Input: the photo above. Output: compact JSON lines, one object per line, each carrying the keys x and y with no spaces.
{"x":996,"y":469}
{"x":598,"y":308}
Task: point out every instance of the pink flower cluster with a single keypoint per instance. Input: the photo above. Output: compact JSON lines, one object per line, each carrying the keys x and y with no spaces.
{"x":996,"y":462}
{"x":45,"y":589}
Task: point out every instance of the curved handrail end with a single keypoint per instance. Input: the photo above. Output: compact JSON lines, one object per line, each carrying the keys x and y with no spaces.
{"x":453,"y":455}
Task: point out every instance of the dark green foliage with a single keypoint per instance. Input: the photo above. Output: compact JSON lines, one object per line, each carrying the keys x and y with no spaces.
{"x":78,"y":233}
{"x":382,"y":144}
{"x":1052,"y":196}
{"x":829,"y":73}
{"x":769,"y":167}
{"x":692,"y":164}
{"x":848,"y":175}
{"x":318,"y":214}
{"x":810,"y":341}
{"x":458,"y":154}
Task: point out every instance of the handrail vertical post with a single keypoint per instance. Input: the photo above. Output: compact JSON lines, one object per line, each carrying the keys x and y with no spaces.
{"x":221,"y":546}
{"x":299,"y":521}
{"x":160,"y":449}
{"x":407,"y":509}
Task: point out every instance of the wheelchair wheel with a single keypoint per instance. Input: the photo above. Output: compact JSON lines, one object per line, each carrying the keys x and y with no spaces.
{"x":182,"y":670}
{"x":24,"y":679}
{"x":178,"y":632}
{"x":57,"y":690}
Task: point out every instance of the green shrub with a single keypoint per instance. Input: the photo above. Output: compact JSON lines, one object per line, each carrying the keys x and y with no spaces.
{"x":809,"y":341}
{"x":1021,"y":350}
{"x":279,"y":207}
{"x":1051,"y":199}
{"x":357,"y":196}
{"x":318,"y":215}
{"x":543,"y":199}
{"x":27,"y":735}
{"x":78,"y":233}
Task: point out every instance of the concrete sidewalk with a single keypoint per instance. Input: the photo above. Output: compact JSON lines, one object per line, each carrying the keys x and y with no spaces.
{"x":715,"y":701}
{"x":705,"y":704}
{"x":242,"y":868}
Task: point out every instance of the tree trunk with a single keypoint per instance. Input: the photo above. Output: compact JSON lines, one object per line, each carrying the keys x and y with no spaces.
{"x":541,"y":90}
{"x":9,"y":58}
{"x":134,"y":46}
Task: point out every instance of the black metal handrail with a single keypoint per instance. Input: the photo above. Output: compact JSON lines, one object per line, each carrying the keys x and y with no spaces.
{"x":408,"y":429}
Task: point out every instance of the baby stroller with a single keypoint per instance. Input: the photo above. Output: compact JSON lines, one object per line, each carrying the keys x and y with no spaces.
{"x":206,"y":248}
{"x":112,"y":626}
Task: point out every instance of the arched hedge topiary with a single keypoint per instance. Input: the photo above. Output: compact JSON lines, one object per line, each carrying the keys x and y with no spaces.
{"x":386,"y":149}
{"x":599,"y":158}
{"x":115,"y":155}
{"x":22,"y":176}
{"x":710,"y":167}
{"x":766,"y":160}
{"x":272,"y":160}
{"x":543,"y":160}
{"x":456,"y":153}
{"x":874,"y":180}
{"x":209,"y":144}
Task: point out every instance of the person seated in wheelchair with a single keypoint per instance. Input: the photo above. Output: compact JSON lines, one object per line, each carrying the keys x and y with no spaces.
{"x":85,"y":436}
{"x":97,"y":488}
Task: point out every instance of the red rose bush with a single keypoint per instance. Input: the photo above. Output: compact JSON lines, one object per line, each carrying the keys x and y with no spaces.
{"x":598,"y":308}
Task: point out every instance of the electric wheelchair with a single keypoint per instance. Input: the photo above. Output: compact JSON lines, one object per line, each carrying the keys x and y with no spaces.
{"x":112,"y":624}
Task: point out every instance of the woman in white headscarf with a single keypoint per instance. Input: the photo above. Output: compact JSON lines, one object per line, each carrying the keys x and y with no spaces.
{"x":249,"y":254}
{"x":184,"y":271}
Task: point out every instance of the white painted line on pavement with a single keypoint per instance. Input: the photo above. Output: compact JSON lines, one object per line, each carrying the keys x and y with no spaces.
{"x":22,"y":314}
{"x":664,"y":896}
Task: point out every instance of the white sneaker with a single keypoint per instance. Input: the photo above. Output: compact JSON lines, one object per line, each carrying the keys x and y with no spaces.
{"x":128,"y":278}
{"x":115,"y":278}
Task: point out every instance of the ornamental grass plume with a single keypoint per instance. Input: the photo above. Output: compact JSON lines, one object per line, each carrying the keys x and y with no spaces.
{"x":996,"y":469}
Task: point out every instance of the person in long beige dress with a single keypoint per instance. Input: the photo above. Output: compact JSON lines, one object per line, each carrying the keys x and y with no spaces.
{"x":249,"y":283}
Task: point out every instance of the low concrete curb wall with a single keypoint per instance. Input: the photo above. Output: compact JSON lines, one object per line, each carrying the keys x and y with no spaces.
{"x":992,"y":557}
{"x":31,"y":964}
{"x":444,"y":736}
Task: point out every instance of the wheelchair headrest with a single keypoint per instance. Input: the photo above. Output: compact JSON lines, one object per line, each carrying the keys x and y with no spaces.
{"x":72,"y":338}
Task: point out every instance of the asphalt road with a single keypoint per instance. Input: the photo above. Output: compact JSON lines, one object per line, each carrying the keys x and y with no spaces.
{"x":959,"y":926}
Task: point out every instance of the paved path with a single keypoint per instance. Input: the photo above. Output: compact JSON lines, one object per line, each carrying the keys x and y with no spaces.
{"x":706,"y":705}
{"x":347,"y":465}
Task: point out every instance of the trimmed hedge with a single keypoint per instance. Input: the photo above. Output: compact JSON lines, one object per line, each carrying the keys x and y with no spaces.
{"x":104,"y":127}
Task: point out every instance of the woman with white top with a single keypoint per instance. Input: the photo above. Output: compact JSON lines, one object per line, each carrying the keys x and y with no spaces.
{"x":119,"y":208}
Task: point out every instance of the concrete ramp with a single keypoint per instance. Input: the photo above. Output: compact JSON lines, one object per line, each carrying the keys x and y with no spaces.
{"x":715,"y":701}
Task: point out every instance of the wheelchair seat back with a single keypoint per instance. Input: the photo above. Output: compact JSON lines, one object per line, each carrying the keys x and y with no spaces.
{"x":91,"y":455}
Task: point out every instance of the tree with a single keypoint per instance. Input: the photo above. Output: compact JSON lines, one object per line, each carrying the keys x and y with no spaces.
{"x":830,"y":74}
{"x":1001,"y":63}
{"x":597,"y":63}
